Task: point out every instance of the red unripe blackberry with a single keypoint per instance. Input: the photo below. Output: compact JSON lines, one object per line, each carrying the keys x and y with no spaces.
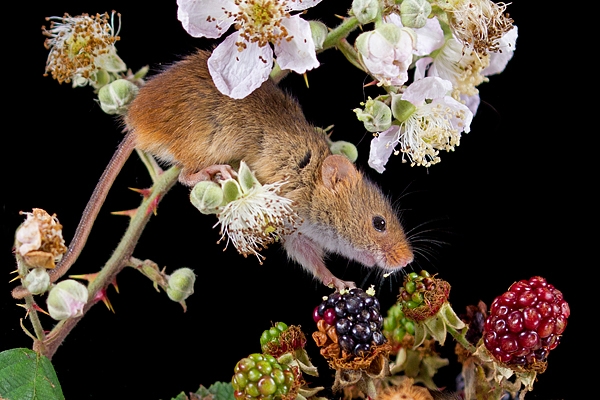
{"x":526,"y":322}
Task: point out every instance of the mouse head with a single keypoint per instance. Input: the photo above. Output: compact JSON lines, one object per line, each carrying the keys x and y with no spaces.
{"x":355,"y":219}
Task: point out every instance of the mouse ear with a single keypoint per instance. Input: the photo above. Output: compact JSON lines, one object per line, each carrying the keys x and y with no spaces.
{"x":337,"y":168}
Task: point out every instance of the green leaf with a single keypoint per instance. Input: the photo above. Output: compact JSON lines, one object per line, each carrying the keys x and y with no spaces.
{"x":27,"y":375}
{"x":219,"y":391}
{"x":181,"y":396}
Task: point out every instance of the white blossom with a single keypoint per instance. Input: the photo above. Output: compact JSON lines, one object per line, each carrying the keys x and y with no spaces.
{"x":243,"y":60}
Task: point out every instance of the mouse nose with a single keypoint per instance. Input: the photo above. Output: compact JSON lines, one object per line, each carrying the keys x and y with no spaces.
{"x":399,"y":256}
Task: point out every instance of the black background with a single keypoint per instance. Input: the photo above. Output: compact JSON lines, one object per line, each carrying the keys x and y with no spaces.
{"x":507,"y":204}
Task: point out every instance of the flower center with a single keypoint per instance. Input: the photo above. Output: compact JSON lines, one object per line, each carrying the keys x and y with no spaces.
{"x":259,"y":21}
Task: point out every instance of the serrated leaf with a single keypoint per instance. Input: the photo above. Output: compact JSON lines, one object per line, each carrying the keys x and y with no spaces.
{"x":25,"y":374}
{"x":221,"y":390}
{"x":181,"y":396}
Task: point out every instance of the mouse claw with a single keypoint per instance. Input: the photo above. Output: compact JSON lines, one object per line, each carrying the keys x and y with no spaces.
{"x":339,"y":284}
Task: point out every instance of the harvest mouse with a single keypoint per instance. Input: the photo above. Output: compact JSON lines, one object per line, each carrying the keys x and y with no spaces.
{"x":181,"y":118}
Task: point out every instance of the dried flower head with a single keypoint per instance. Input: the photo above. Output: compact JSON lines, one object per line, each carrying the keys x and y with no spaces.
{"x":478,"y":24}
{"x":39,"y":239}
{"x":82,"y":49}
{"x":257,"y":217}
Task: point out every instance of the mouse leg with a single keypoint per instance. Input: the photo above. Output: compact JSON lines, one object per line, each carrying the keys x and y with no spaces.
{"x":310,"y":255}
{"x":214,"y":172}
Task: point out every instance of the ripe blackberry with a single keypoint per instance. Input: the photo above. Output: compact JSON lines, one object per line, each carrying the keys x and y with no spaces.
{"x":260,"y":376}
{"x":526,"y":323}
{"x":357,"y":319}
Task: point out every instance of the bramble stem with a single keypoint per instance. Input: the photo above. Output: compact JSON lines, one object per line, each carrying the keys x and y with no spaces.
{"x":460,"y":338}
{"x":119,"y":258}
{"x":340,"y":32}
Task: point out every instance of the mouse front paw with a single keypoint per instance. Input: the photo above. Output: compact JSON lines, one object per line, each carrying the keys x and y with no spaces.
{"x":212,"y":173}
{"x":335,"y":283}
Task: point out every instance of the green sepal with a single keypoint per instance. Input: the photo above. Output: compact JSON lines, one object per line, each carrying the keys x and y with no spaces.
{"x":402,"y":109}
{"x":246,"y":178}
{"x":420,"y":334}
{"x":231,"y":190}
{"x":450,"y":317}
{"x":436,"y":327}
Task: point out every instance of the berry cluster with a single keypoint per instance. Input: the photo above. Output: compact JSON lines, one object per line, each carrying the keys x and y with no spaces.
{"x":396,"y":325}
{"x":281,"y":338}
{"x":357,"y":320}
{"x":260,"y":376}
{"x":526,"y":322}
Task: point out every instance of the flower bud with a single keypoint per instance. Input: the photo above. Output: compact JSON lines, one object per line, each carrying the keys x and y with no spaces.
{"x":365,"y":10}
{"x":181,"y":284}
{"x":376,"y":116}
{"x":414,"y":13}
{"x":344,"y":148}
{"x":116,"y":96}
{"x":67,"y":299}
{"x":319,"y":33}
{"x":207,"y":196}
{"x":37,"y":281}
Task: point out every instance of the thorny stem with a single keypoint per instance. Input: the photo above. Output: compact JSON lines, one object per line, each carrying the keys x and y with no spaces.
{"x":29,"y":302}
{"x":119,"y":258}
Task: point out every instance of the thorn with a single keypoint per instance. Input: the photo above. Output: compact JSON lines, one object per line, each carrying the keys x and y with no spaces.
{"x":127,"y":213}
{"x":144,"y":192}
{"x":370,"y":83}
{"x":15,"y":278}
{"x":153,"y":206}
{"x":305,"y":79}
{"x":37,"y":308}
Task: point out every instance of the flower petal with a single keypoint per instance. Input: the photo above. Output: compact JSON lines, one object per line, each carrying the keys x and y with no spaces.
{"x":431,"y":87}
{"x":429,"y":38}
{"x":301,"y":4}
{"x":499,"y":59}
{"x":237,"y":73}
{"x":382,"y":148}
{"x":205,"y":18}
{"x":298,"y":54}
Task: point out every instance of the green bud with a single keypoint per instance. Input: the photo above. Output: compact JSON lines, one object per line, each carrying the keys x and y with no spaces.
{"x":116,"y":96}
{"x":344,"y":148}
{"x":376,"y":116}
{"x":181,"y":284}
{"x":246,"y":178}
{"x":319,"y":33}
{"x":37,"y":281}
{"x":365,"y":10}
{"x":402,"y":109}
{"x":414,"y":13}
{"x":207,"y":196}
{"x":231,"y":190}
{"x":66,"y":299}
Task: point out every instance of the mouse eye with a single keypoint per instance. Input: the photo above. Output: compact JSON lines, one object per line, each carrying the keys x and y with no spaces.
{"x":379,"y":223}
